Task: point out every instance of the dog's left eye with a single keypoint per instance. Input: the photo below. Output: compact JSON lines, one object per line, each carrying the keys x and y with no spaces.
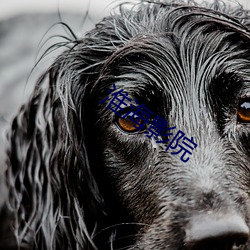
{"x":127,"y":125}
{"x":243,"y":113}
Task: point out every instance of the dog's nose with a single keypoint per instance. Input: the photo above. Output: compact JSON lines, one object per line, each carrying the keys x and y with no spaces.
{"x":217,"y":232}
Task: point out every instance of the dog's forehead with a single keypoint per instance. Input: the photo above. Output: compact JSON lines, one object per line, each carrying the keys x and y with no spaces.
{"x":183,"y":64}
{"x":159,"y":64}
{"x":178,"y":59}
{"x":184,"y":47}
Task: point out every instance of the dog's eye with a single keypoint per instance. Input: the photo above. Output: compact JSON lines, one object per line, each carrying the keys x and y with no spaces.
{"x":127,"y":125}
{"x":243,"y":113}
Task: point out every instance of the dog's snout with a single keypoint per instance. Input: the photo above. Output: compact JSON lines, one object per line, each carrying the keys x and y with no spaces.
{"x":222,"y":232}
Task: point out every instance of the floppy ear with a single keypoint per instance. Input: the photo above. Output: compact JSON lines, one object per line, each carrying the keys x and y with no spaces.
{"x":52,"y":191}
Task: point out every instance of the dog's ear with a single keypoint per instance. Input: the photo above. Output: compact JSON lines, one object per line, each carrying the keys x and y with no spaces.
{"x":52,"y":191}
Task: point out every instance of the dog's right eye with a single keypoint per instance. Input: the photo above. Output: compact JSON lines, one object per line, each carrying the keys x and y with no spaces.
{"x":243,"y":112}
{"x":127,"y":125}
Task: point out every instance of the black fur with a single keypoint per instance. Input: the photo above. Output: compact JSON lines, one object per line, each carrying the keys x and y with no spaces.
{"x":77,"y":181}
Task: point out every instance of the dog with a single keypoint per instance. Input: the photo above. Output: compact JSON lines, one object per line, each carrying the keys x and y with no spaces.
{"x":85,"y":173}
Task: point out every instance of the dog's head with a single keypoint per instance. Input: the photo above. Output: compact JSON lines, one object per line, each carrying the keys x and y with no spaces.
{"x":103,"y":182}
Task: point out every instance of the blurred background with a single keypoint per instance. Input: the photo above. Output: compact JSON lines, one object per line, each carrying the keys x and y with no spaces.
{"x":25,"y":26}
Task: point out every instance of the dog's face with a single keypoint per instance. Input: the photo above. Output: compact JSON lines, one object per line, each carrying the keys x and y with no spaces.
{"x":80,"y":175}
{"x":192,"y":68}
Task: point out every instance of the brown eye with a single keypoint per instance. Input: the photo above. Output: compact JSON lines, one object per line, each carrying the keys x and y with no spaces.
{"x":243,"y":113}
{"x":127,"y":125}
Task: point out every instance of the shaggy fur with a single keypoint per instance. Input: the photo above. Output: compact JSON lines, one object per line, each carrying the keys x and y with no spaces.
{"x":77,"y":181}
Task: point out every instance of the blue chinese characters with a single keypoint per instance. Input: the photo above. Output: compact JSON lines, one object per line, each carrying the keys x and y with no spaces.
{"x":141,"y":115}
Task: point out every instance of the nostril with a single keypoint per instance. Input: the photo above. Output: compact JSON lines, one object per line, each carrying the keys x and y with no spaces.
{"x":224,"y":232}
{"x":241,"y":241}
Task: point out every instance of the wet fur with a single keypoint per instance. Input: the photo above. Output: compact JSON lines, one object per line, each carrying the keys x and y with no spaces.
{"x":76,"y":181}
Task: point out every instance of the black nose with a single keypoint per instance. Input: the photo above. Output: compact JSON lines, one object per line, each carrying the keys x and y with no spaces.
{"x":216,"y":232}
